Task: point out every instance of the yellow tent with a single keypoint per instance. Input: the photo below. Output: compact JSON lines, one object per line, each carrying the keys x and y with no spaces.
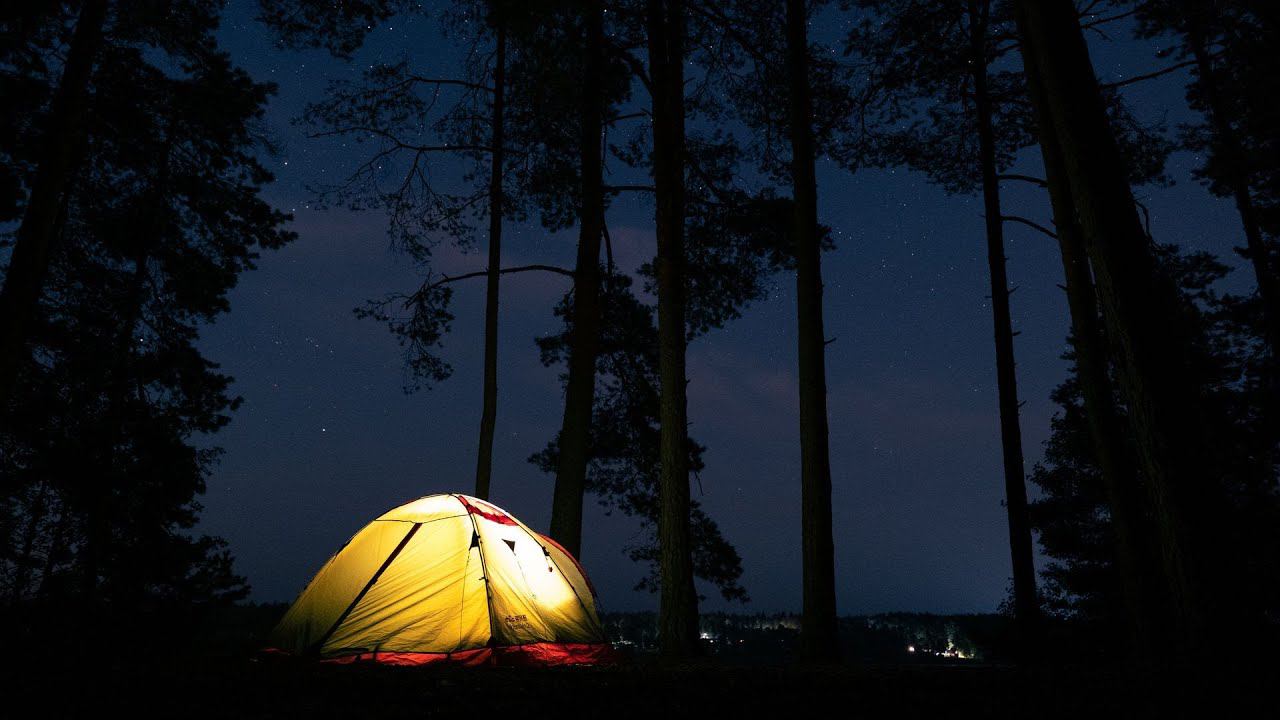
{"x":447,"y":578}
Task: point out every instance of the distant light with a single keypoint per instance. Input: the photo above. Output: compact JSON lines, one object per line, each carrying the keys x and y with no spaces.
{"x":911,"y":648}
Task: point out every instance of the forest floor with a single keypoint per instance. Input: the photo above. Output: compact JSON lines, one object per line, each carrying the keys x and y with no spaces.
{"x":240,"y":688}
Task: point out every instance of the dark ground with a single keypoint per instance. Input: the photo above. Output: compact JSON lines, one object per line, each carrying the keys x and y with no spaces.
{"x":248,"y":689}
{"x":204,"y":667}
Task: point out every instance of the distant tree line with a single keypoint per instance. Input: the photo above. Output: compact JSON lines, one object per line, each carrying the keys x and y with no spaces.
{"x":917,"y":638}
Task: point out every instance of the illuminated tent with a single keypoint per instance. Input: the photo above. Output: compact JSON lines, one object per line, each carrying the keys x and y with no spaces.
{"x":446,"y":578}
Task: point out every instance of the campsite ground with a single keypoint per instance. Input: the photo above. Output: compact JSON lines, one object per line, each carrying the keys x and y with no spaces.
{"x":210,"y":668}
{"x":235,"y":688}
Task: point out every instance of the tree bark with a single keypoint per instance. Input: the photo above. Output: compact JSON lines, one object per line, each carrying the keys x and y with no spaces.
{"x":584,"y":342}
{"x":36,"y":235}
{"x":497,"y":157}
{"x":24,"y":557}
{"x":57,"y":553}
{"x":1141,"y":308}
{"x":1122,"y":485}
{"x":678,"y":608}
{"x":818,"y":631}
{"x":1025,"y":602}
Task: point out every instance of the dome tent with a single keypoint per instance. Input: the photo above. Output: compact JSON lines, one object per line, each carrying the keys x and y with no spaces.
{"x":446,"y":578}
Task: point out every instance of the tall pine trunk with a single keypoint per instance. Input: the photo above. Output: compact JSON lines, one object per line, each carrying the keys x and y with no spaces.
{"x":58,"y":553}
{"x":497,"y":156}
{"x":24,"y":557}
{"x":1025,"y":602}
{"x":36,"y":235}
{"x":678,"y":608}
{"x":584,"y":341}
{"x":818,"y":631}
{"x":1122,"y":485}
{"x":1145,"y":322}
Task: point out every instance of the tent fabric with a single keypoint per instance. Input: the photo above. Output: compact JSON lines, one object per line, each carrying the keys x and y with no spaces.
{"x":452,"y":579}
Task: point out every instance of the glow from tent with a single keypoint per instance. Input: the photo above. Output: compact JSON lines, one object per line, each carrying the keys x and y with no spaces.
{"x":548,"y":585}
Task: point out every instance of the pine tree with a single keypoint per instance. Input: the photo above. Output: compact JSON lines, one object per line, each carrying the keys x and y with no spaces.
{"x":102,"y":443}
{"x":394,"y":107}
{"x":1139,"y":305}
{"x":584,"y":351}
{"x":818,"y":636}
{"x":35,"y":240}
{"x":1230,"y":49}
{"x":678,"y":607}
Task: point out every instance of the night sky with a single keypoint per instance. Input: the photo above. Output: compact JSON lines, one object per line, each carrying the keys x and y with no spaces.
{"x":327,"y":440}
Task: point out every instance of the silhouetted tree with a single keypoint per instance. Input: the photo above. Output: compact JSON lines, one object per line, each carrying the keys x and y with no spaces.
{"x":1231,"y":49}
{"x":624,"y":460}
{"x":943,"y":97}
{"x":399,"y":110}
{"x":1120,"y":480}
{"x":63,"y":135}
{"x":497,"y":154}
{"x":1086,"y":577}
{"x":102,"y":439}
{"x":818,"y":620}
{"x":735,"y":239}
{"x":584,"y":344}
{"x":678,"y":607}
{"x":1139,"y":304}
{"x":968,"y":138}
{"x":791,"y":96}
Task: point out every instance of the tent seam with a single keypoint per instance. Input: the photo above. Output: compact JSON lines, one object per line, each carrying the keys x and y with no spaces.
{"x":319,"y":646}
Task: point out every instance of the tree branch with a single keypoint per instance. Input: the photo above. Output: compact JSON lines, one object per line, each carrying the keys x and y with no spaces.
{"x":608,"y":245}
{"x":627,"y":116}
{"x":637,"y":68}
{"x":718,"y":18}
{"x":1106,"y":19}
{"x":447,"y":81}
{"x":504,"y":271}
{"x":1024,"y":178}
{"x":624,"y":188}
{"x":396,"y":142}
{"x":1139,"y":78}
{"x":1030,"y":224}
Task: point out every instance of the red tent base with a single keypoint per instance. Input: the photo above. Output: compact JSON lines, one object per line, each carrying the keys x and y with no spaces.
{"x":531,"y":655}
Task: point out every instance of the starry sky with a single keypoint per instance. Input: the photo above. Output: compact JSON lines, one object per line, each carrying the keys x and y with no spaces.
{"x":327,"y":440}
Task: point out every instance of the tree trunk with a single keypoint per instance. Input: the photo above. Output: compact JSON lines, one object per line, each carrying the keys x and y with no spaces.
{"x":584,"y":341}
{"x":1122,"y":485}
{"x":1140,"y":304}
{"x":24,"y":558}
{"x":497,"y":155}
{"x":818,"y":631}
{"x":1025,"y":602}
{"x":678,"y":609}
{"x":58,"y":551}
{"x":35,"y":238}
